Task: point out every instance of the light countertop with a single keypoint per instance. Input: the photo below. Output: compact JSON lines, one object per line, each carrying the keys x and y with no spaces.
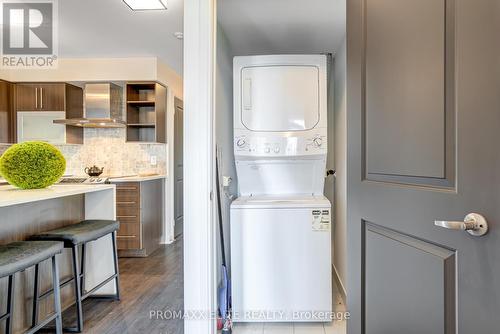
{"x":10,"y":195}
{"x":137,"y":178}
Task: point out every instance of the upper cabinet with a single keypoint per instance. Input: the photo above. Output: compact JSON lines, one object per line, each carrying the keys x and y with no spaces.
{"x":7,"y":114}
{"x":146,"y":112}
{"x":26,"y":97}
{"x":41,"y":97}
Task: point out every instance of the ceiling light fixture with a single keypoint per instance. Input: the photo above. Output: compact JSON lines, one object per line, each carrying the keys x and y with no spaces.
{"x":146,"y":4}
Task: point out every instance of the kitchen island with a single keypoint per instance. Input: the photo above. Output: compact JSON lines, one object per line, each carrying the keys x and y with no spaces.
{"x":26,"y":212}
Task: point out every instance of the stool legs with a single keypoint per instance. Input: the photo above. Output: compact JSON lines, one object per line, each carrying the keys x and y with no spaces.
{"x":36,"y":292}
{"x":115,"y":261}
{"x":78,"y":291}
{"x":82,"y":271}
{"x":57,"y":295}
{"x":8,"y":316}
{"x":79,"y":280}
{"x":35,"y":325}
{"x":10,"y":305}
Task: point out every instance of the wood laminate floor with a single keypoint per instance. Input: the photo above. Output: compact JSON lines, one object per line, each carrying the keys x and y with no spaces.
{"x":147,"y":284}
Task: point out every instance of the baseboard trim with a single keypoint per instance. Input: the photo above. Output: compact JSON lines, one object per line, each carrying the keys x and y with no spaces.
{"x":339,"y":283}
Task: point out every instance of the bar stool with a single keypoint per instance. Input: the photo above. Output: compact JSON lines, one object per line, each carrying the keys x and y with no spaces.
{"x":80,"y":234}
{"x":19,"y":256}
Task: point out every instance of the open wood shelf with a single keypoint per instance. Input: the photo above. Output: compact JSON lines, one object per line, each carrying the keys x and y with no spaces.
{"x":146,"y":112}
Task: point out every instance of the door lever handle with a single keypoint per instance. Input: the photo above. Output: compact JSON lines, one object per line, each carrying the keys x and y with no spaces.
{"x":474,"y":223}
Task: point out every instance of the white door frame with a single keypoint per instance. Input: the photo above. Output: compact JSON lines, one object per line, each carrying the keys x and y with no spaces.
{"x":200,"y":286}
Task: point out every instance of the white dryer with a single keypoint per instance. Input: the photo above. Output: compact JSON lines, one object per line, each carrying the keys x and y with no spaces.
{"x":280,"y":108}
{"x":280,"y":224}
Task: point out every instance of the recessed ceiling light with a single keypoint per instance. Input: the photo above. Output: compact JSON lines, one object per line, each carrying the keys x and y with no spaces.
{"x":179,"y":35}
{"x":146,"y":4}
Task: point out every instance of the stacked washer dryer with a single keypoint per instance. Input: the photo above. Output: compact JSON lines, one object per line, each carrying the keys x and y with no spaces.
{"x":280,"y":223}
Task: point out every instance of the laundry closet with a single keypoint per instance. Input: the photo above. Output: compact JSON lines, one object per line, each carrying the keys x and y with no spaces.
{"x":275,"y":138}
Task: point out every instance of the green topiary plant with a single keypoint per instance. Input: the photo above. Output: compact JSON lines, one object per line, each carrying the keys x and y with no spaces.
{"x":32,"y":165}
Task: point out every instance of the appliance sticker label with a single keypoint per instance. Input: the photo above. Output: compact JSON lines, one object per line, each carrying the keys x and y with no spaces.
{"x":321,"y":220}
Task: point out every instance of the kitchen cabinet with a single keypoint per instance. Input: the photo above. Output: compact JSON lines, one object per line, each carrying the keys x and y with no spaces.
{"x":7,"y":114}
{"x":139,"y":210}
{"x":52,"y":97}
{"x":26,"y":97}
{"x":41,"y":97}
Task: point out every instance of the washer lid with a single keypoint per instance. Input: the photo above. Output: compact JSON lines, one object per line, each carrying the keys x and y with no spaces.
{"x":278,"y":202}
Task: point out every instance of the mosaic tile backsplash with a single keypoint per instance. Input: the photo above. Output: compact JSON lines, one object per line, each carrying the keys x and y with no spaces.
{"x":107,"y":148}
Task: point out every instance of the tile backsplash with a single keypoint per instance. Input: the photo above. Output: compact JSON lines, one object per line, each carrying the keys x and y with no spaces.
{"x":107,"y":148}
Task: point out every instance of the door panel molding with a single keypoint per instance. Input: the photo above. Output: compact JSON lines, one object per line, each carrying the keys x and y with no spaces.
{"x":380,"y":162}
{"x":411,"y":254}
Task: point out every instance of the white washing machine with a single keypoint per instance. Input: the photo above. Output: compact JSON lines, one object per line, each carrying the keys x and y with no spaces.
{"x":280,"y":224}
{"x":281,"y":267}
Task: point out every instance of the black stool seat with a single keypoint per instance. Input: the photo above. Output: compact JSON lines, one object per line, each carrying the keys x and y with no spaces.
{"x":84,"y":231}
{"x":21,"y":255}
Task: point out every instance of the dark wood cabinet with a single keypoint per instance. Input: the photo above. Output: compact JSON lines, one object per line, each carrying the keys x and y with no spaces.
{"x":128,"y":197}
{"x":26,"y":97}
{"x":52,"y":96}
{"x":41,"y":97}
{"x":7,"y":114}
{"x":73,"y":106}
{"x":139,"y":210}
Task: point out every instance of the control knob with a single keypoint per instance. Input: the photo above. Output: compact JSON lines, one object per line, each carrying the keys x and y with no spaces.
{"x":317,"y":142}
{"x":241,"y":142}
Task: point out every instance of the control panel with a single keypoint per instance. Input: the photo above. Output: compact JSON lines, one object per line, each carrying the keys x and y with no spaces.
{"x":280,"y":145}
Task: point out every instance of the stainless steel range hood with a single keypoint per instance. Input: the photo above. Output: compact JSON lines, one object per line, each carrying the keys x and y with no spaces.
{"x":102,"y":107}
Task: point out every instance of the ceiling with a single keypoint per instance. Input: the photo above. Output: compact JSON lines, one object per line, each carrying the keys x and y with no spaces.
{"x":282,"y":26}
{"x":108,"y":28}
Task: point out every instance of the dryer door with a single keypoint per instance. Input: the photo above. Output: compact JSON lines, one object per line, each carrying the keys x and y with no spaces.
{"x":280,"y":98}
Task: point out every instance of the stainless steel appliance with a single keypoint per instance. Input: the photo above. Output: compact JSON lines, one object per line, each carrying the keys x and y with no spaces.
{"x":84,"y":180}
{"x":103,"y":107}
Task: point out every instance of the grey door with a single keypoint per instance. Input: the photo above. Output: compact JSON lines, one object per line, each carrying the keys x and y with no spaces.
{"x":423,"y":115}
{"x":178,"y":169}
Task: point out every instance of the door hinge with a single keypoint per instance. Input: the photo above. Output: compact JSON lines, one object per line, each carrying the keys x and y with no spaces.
{"x":211,"y":195}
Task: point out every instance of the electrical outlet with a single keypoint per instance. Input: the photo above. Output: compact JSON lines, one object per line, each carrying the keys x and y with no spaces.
{"x":153,"y":161}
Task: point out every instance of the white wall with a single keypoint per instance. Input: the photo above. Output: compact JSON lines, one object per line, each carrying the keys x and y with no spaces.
{"x":224,"y":127}
{"x":340,"y":131}
{"x":200,"y":285}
